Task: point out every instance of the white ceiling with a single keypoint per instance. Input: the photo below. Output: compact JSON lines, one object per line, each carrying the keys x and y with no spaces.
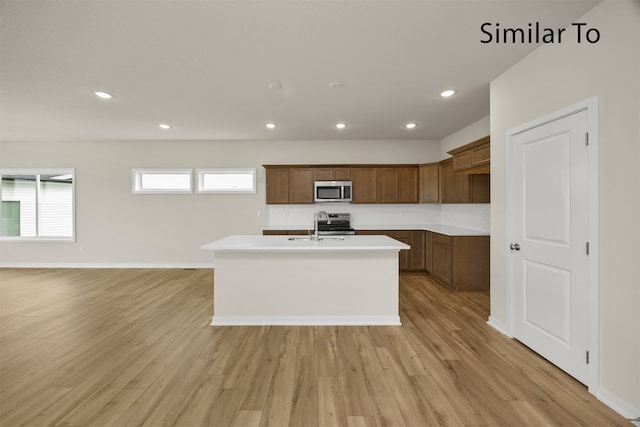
{"x":205,"y":66}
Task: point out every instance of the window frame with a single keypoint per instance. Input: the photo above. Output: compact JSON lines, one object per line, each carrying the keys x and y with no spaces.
{"x":38,"y":172}
{"x":200,"y":180}
{"x":136,"y":180}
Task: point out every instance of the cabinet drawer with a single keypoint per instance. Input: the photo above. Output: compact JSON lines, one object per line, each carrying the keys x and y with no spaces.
{"x":441,"y":238}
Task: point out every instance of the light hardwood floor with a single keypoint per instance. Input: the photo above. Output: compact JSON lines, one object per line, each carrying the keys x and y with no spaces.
{"x":90,"y":347}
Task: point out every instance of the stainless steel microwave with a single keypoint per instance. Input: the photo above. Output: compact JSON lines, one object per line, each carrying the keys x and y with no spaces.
{"x":332,"y":191}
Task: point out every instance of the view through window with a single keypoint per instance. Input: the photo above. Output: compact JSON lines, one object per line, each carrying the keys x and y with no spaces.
{"x":37,"y":204}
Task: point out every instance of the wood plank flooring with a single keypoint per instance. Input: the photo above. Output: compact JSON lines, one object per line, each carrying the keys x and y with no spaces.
{"x":116,"y":347}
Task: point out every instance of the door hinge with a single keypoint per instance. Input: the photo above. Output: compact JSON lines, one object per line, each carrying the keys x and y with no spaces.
{"x":586,"y":139}
{"x":587,"y":248}
{"x":587,"y":357}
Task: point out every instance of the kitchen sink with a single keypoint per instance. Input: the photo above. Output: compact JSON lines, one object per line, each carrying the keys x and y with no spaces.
{"x":307,"y":238}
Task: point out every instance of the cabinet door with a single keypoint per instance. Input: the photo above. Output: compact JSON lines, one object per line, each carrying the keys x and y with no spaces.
{"x":333,"y":174}
{"x":428,"y":251}
{"x":461,"y":188}
{"x":342,"y":174}
{"x":324,"y":174}
{"x":446,"y":182}
{"x":404,"y":257}
{"x":454,"y":187}
{"x":364,"y":185}
{"x":442,"y":259}
{"x":474,"y":157}
{"x":388,"y":185}
{"x":301,"y":185}
{"x":481,"y":155}
{"x":417,"y":258}
{"x":429,"y":183}
{"x":277,"y":182}
{"x":408,"y":185}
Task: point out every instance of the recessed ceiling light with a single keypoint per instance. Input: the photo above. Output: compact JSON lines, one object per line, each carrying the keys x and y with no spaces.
{"x":271,"y":125}
{"x":164,"y":126}
{"x":410,"y":125}
{"x":275,"y":85}
{"x":335,"y":85}
{"x":103,"y":95}
{"x":447,"y":93}
{"x":341,"y":125}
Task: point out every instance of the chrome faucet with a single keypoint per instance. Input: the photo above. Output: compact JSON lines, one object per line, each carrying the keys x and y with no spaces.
{"x":316,"y":217}
{"x":315,"y":227}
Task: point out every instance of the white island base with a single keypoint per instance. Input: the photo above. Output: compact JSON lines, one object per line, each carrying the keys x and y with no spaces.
{"x":269,"y":280}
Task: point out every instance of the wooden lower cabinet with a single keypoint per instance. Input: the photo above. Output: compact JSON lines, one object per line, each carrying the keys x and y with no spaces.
{"x":459,"y":262}
{"x":428,"y":251}
{"x":411,"y":259}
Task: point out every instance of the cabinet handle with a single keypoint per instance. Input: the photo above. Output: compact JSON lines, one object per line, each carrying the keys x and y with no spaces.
{"x":514,"y":247}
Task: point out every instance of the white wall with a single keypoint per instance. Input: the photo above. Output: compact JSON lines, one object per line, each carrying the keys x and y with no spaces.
{"x":549,"y":79}
{"x":116,"y":227}
{"x":468,"y":134}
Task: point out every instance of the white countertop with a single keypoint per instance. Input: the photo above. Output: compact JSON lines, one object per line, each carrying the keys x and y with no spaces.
{"x":436,"y":228}
{"x":254,"y":243}
{"x":454,"y":231}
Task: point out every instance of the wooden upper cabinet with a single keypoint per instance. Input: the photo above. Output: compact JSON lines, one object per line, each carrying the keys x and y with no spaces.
{"x":473,"y":158}
{"x":398,"y":184}
{"x":333,"y":174}
{"x":408,"y":185}
{"x":429,"y":183}
{"x":387,"y":185}
{"x":454,"y":188}
{"x":462,"y":187}
{"x":277,"y":183}
{"x":365,"y":182}
{"x":301,"y":185}
{"x":285,"y":185}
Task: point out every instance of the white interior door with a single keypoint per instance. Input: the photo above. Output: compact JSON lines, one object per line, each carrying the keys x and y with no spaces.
{"x":549,"y":217}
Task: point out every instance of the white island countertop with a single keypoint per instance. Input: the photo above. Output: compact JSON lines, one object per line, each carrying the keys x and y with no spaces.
{"x":257,"y":243}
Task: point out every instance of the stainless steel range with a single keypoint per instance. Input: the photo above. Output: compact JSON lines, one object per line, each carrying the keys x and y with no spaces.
{"x":336,"y":224}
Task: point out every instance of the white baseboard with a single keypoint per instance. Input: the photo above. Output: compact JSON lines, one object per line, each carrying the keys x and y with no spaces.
{"x":101,"y":265}
{"x":499,"y":326}
{"x":619,"y":405}
{"x":305,"y":321}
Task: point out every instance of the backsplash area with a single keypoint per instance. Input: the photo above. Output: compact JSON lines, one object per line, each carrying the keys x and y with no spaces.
{"x":471,"y":216}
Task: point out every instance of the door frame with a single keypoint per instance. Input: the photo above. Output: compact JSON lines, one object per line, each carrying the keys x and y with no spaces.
{"x":591,"y":106}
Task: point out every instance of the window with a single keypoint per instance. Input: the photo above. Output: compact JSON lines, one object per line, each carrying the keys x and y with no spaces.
{"x":226,"y":180}
{"x":161,"y":181}
{"x":37,"y":204}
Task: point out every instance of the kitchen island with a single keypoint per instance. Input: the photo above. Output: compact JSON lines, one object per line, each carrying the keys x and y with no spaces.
{"x":289,"y":280}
